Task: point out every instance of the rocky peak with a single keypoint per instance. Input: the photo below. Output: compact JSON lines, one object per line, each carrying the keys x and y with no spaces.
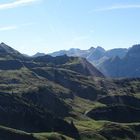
{"x":6,"y":49}
{"x":134,"y":51}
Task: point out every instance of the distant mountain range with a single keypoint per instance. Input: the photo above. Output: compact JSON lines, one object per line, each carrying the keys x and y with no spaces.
{"x":119,"y":62}
{"x":94,"y":55}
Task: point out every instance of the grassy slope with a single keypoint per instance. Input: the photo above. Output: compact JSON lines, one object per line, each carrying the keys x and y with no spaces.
{"x":13,"y":134}
{"x":51,"y":136}
{"x":100,"y":130}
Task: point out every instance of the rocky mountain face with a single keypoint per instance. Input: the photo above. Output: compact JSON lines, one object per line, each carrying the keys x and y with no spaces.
{"x":66,"y":98}
{"x":120,"y":52}
{"x":128,"y":66}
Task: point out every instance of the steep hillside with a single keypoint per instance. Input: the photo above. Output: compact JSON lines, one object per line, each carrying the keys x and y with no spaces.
{"x":6,"y":53}
{"x":18,"y":113}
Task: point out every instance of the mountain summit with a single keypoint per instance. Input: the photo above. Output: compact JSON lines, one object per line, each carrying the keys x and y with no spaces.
{"x":134,"y":51}
{"x":7,"y":49}
{"x":7,"y":52}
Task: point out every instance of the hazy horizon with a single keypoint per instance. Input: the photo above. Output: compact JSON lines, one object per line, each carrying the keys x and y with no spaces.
{"x":45,"y":26}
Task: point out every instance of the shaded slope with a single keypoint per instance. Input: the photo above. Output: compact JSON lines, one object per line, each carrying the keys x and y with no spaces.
{"x":13,"y":134}
{"x":46,"y":98}
{"x":122,"y":100}
{"x":78,"y":85}
{"x":18,"y":113}
{"x":116,"y":113}
{"x":76,"y":64}
{"x":7,"y":133}
{"x":10,"y":65}
{"x":116,"y":131}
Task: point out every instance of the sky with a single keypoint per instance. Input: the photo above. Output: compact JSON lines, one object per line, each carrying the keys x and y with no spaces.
{"x":46,"y":26}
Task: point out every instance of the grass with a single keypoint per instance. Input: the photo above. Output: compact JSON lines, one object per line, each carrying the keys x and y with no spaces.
{"x":89,"y":125}
{"x":81,"y":105}
{"x":89,"y":129}
{"x":137,"y":95}
{"x":90,"y":135}
{"x":9,"y":133}
{"x":10,"y":130}
{"x":51,"y":136}
{"x":13,"y":134}
{"x":106,"y":130}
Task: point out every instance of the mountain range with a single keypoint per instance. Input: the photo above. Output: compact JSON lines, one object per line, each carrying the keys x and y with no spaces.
{"x":65,"y":98}
{"x":119,"y":62}
{"x":94,"y":55}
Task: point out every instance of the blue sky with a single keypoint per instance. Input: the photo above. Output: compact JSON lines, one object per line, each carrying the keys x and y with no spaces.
{"x":32,"y":26}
